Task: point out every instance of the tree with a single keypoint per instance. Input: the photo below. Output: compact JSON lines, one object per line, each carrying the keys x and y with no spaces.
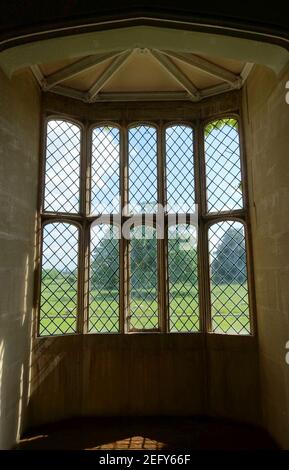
{"x":183,"y":263}
{"x":104,"y":266}
{"x":220,"y":124}
{"x":229,"y":264}
{"x":143,"y":262}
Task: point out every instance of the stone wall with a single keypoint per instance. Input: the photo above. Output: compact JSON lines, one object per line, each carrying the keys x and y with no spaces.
{"x":19,"y":154}
{"x":266,"y":118}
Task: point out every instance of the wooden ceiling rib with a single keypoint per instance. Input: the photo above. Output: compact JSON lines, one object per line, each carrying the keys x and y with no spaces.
{"x":205,"y":66}
{"x":107,"y":75}
{"x":142,"y":74}
{"x":177,"y":74}
{"x":78,"y":67}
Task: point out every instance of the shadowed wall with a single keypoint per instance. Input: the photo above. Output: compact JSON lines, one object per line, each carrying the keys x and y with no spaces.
{"x":19,"y":150}
{"x":266,"y":117}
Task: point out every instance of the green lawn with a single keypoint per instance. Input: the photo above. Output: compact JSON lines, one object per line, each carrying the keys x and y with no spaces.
{"x":58,"y":315}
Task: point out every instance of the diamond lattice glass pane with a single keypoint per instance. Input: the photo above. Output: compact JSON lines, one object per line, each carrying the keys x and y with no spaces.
{"x":62,"y":167}
{"x":183,"y":279}
{"x":104,"y":280}
{"x":143,"y":308}
{"x":58,"y":301}
{"x":223,"y":167}
{"x":105,"y":171}
{"x":142,"y":169}
{"x":180,"y":169}
{"x":228,"y":274}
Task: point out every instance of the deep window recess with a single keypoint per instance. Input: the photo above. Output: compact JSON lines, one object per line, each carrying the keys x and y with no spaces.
{"x":144,"y":228}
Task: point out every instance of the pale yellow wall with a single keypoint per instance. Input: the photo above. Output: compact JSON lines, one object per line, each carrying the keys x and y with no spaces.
{"x":266,"y":117}
{"x":19,"y":150}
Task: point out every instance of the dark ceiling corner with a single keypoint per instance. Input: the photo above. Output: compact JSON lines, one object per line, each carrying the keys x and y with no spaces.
{"x":40,"y":19}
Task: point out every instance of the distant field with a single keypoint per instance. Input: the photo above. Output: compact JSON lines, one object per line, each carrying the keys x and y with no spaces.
{"x":229,"y":311}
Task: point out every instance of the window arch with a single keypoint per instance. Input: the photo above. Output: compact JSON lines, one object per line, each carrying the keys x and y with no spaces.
{"x":184,"y":315}
{"x":142,"y":168}
{"x":223,"y":166}
{"x":105,"y":169}
{"x":104,"y":279}
{"x":229,"y":298}
{"x":62,"y":167}
{"x":180,"y":168}
{"x":143,"y":311}
{"x":59,"y":299}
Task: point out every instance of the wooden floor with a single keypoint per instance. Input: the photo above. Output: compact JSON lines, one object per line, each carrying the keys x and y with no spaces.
{"x":146,"y":433}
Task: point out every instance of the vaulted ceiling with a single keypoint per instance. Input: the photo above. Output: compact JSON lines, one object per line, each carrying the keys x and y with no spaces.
{"x":141,"y":74}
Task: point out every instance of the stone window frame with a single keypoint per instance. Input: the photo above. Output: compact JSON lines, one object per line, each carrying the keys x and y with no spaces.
{"x":159,"y":115}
